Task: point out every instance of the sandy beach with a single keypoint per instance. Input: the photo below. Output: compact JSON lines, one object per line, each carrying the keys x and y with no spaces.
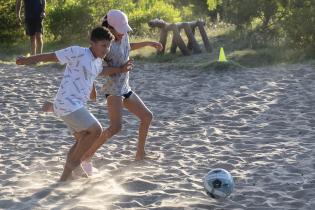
{"x":257,"y":123}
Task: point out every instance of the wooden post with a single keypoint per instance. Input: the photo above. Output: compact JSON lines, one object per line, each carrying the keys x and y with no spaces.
{"x":191,"y":39}
{"x":189,"y":45}
{"x":177,"y":41}
{"x":174,"y":45}
{"x":163,"y":39}
{"x":204,"y":36}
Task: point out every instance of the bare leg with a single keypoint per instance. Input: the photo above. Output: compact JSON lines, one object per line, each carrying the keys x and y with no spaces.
{"x":114,"y":108}
{"x":33,"y":45}
{"x":39,"y":42}
{"x":77,"y":137}
{"x":135,"y":105}
{"x":79,"y":149}
{"x":79,"y":169}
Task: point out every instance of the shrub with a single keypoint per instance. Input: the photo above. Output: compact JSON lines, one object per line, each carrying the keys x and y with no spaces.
{"x":70,"y":21}
{"x":9,"y":29}
{"x":147,"y":10}
{"x":299,"y":33}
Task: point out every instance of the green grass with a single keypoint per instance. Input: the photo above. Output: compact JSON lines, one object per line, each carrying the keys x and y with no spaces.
{"x":237,"y":49}
{"x":9,"y":51}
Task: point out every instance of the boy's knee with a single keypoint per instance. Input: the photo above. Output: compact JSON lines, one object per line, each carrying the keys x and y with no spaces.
{"x":96,"y":129}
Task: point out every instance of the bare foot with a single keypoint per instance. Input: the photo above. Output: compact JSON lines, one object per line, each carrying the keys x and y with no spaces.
{"x":67,"y":172}
{"x":147,"y":156}
{"x":140,"y":156}
{"x":48,"y":107}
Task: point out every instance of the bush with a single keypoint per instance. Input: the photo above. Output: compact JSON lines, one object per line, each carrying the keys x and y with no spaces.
{"x":147,"y":10}
{"x":300,"y":34}
{"x":70,"y":21}
{"x":74,"y":19}
{"x":250,"y":14}
{"x":9,"y":29}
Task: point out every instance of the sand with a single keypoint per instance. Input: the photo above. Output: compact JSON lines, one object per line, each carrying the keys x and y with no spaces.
{"x":256,"y":123}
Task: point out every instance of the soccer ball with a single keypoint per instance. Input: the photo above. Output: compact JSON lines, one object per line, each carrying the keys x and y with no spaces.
{"x":218,"y":183}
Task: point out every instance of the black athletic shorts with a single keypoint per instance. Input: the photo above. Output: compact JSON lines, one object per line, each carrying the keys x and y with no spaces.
{"x":125,"y":96}
{"x":33,"y":25}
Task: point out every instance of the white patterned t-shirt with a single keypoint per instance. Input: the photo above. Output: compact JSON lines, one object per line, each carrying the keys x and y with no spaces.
{"x":118,"y":84}
{"x":81,"y":70}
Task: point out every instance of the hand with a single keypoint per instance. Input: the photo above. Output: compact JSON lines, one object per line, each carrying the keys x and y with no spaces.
{"x":22,"y":60}
{"x":48,"y":107}
{"x":93,"y":94}
{"x":157,"y":45}
{"x":127,"y":66}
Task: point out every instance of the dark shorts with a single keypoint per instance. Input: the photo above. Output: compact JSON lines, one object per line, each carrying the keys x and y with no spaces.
{"x":34,"y":25}
{"x":126,"y":96}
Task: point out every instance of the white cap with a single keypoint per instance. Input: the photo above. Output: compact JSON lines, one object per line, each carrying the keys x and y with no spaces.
{"x":118,"y":20}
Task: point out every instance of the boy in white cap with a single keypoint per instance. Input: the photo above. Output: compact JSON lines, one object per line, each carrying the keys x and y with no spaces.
{"x":116,"y":87}
{"x":83,"y":65}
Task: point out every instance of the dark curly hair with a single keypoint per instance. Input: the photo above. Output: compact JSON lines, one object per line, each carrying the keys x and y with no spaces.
{"x":101,"y":33}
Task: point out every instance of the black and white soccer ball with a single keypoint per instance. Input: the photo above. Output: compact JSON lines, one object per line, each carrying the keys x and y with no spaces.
{"x":218,"y":183}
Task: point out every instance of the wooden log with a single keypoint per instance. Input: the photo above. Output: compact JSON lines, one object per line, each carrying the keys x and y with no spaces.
{"x":163,"y":33}
{"x":204,"y":36}
{"x":157,"y":23}
{"x":192,"y":24}
{"x":189,"y":45}
{"x":174,"y":45}
{"x":163,"y":39}
{"x":178,"y":40}
{"x":192,"y":42}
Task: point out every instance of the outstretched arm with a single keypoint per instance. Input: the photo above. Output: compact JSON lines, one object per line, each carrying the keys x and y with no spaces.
{"x":138,"y":45}
{"x":46,"y":57}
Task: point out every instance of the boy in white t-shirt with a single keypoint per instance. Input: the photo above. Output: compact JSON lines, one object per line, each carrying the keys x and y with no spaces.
{"x":83,"y":65}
